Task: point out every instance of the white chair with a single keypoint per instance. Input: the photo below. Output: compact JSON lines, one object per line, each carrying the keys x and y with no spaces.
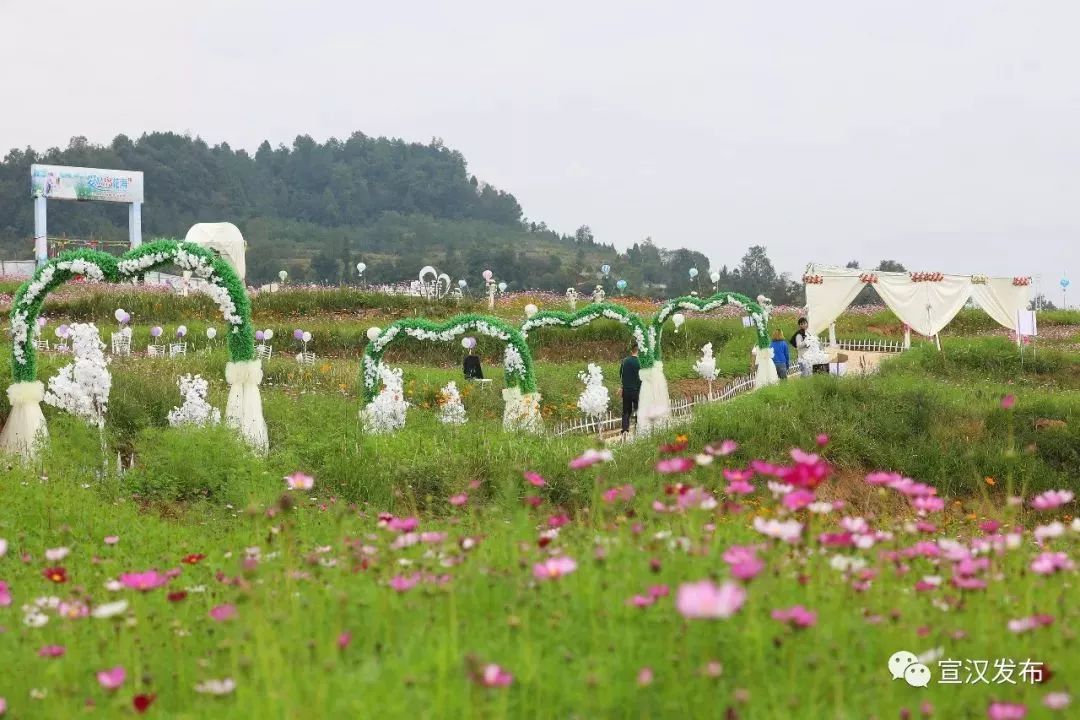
{"x":41,"y":345}
{"x":264,"y":351}
{"x":121,"y":344}
{"x":177,"y":349}
{"x":306,"y":358}
{"x":153,"y":350}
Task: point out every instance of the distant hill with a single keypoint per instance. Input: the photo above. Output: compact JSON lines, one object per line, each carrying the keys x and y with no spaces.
{"x":315,"y":209}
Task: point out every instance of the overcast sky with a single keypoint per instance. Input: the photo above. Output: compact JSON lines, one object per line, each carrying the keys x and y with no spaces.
{"x":945,"y":135}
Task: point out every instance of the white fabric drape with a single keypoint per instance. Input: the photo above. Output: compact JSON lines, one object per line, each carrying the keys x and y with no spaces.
{"x":654,"y":404}
{"x":25,"y":431}
{"x":766,"y":369}
{"x":1001,"y":300}
{"x":825,"y":301}
{"x":926,"y":307}
{"x":244,"y":408}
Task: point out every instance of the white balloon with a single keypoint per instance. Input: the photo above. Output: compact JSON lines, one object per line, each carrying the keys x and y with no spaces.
{"x":373,"y":332}
{"x":283,"y":275}
{"x":181,"y":331}
{"x":119,"y":314}
{"x":531,"y":310}
{"x":306,"y":336}
{"x":502,"y":287}
{"x":361,"y":267}
{"x":268,"y":334}
{"x":461,"y":284}
{"x":211,"y":333}
{"x":678,"y":319}
{"x":715,"y":276}
{"x":693,"y":272}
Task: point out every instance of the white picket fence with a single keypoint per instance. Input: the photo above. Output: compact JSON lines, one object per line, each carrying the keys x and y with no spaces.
{"x":879,"y":346}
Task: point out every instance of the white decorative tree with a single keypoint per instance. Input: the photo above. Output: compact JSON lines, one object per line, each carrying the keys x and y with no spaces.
{"x":452,"y":410}
{"x":598,"y":294}
{"x":706,"y":365}
{"x":386,"y":413}
{"x":82,"y":388}
{"x":594,"y":399}
{"x":195,"y":410}
{"x":812,"y":355}
{"x":571,"y":297}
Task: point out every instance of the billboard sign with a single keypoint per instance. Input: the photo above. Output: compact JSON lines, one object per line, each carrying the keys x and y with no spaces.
{"x":58,"y":182}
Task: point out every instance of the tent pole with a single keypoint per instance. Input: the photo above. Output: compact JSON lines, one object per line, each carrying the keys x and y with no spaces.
{"x":832,"y":334}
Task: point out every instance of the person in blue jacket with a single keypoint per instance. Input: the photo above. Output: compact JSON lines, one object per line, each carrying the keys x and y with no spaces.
{"x":780,"y":355}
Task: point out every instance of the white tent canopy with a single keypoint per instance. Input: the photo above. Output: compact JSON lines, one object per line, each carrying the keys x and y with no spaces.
{"x":225,"y":238}
{"x":925,"y":302}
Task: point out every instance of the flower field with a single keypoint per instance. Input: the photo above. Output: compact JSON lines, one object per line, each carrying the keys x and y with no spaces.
{"x":897,"y":546}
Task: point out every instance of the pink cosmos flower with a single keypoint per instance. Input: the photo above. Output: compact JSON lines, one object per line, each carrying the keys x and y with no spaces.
{"x":1025,"y":624}
{"x":221,"y":613}
{"x":344,"y":639}
{"x":3,"y":702}
{"x":659,"y":591}
{"x":747,"y":569}
{"x":989,"y":526}
{"x":739,"y":487}
{"x":112,"y":539}
{"x":557,"y":521}
{"x":623,"y":492}
{"x":554,"y":567}
{"x":704,"y":599}
{"x":403,"y":524}
{"x":494,"y":676}
{"x":459,"y":499}
{"x":641,"y":601}
{"x":695,"y":498}
{"x":299,"y":481}
{"x":143,"y":581}
{"x":1052,"y":499}
{"x":589,"y":458}
{"x":432,"y":537}
{"x":52,"y":651}
{"x":797,"y":499}
{"x":402,"y":583}
{"x":797,"y":616}
{"x":673,"y":465}
{"x":5,"y":594}
{"x":788,"y":531}
{"x":881,"y":477}
{"x":1006,"y":711}
{"x":1008,"y":401}
{"x":822,"y":440}
{"x":72,"y":609}
{"x":112,"y":678}
{"x":725,"y":447}
{"x":645,"y":677}
{"x":1057,"y":700}
{"x":1048,"y":563}
{"x":928,"y":504}
{"x":535,"y":480}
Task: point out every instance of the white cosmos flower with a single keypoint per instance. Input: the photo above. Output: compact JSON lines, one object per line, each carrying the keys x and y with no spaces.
{"x":109,"y":610}
{"x":216,"y":687}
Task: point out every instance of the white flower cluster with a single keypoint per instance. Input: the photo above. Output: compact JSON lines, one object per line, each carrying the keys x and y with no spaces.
{"x":195,"y":410}
{"x":594,"y":400}
{"x":513,"y":363}
{"x":533,"y":323}
{"x":584,"y":320}
{"x":452,"y":411}
{"x":82,"y":388}
{"x":386,"y":413}
{"x":814,"y":355}
{"x":382,"y":341}
{"x":522,"y":412}
{"x":706,"y":365}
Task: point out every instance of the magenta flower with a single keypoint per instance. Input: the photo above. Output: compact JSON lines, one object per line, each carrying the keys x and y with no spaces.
{"x":1006,"y":403}
{"x":704,"y":599}
{"x":494,"y":676}
{"x":403,"y":524}
{"x":112,"y":539}
{"x":52,"y":651}
{"x":5,"y":594}
{"x":641,"y":601}
{"x":589,"y":458}
{"x":221,"y":613}
{"x":299,"y":481}
{"x":1006,"y":711}
{"x":928,"y":503}
{"x":553,"y":568}
{"x":344,"y":639}
{"x":557,"y":521}
{"x":459,"y":499}
{"x":402,"y":583}
{"x":1052,"y":499}
{"x":797,"y":616}
{"x":797,"y":499}
{"x":672,"y":465}
{"x":822,"y":440}
{"x":623,"y":492}
{"x":722,"y":449}
{"x":645,"y":677}
{"x":112,"y":678}
{"x":1048,"y":563}
{"x":534,"y":479}
{"x":143,"y":581}
{"x":1025,"y":624}
{"x":744,"y":562}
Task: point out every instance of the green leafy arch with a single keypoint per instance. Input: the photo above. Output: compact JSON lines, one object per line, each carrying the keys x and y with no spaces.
{"x":759,"y":316}
{"x":524,"y":377}
{"x":224,"y":286}
{"x":592,"y":313}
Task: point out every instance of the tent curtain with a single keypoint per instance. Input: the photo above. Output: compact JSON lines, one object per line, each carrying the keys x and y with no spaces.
{"x":925,"y":307}
{"x":1001,"y":300}
{"x":826,"y":300}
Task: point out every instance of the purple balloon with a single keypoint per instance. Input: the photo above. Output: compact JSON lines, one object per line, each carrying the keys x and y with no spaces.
{"x":260,"y":335}
{"x":155,"y":331}
{"x":41,"y":322}
{"x":298,"y":334}
{"x":127,"y":318}
{"x":63,"y":331}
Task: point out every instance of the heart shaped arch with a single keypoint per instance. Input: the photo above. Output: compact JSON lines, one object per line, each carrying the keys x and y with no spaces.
{"x":592,"y":313}
{"x":759,"y":316}
{"x":25,"y":429}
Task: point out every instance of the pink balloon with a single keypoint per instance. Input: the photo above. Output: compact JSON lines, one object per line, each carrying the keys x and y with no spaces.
{"x":487,"y":274}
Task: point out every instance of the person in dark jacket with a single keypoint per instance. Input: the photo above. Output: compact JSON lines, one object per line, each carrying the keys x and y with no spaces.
{"x":472,"y":366}
{"x":798,"y":341}
{"x":629,"y":373}
{"x":780,"y":356}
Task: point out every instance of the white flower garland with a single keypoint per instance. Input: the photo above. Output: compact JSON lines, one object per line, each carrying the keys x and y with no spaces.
{"x":452,"y":411}
{"x":594,"y":399}
{"x":195,"y":409}
{"x":82,"y":388}
{"x":200,"y":267}
{"x":386,"y":413}
{"x":20,"y":328}
{"x":513,"y":362}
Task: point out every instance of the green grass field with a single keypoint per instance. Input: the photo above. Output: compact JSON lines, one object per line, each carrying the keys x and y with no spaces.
{"x":314,"y":603}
